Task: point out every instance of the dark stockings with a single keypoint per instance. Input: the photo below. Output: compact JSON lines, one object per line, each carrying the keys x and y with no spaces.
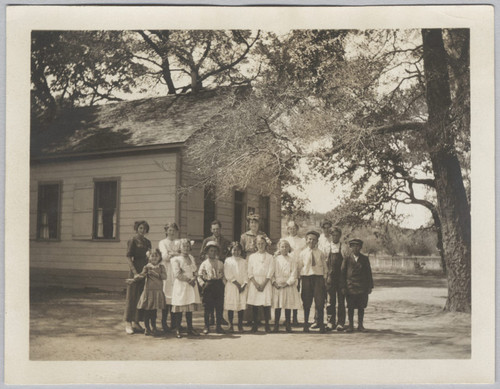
{"x":164,"y":315}
{"x":150,"y":320}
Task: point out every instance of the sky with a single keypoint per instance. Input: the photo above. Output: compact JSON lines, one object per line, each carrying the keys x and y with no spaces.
{"x":322,"y":199}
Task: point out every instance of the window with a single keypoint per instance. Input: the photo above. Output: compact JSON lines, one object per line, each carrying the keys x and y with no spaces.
{"x":208,"y":210}
{"x":105,"y":210}
{"x":239,"y":214}
{"x":265,"y":214}
{"x":49,"y":201}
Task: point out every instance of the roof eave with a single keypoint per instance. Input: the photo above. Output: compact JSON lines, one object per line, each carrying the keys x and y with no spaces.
{"x":171,"y":147}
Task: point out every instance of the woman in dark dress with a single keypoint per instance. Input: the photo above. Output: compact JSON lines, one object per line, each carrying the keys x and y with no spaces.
{"x":137,"y":248}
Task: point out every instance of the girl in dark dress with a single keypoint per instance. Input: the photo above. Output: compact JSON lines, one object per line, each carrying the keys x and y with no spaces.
{"x":137,"y":247}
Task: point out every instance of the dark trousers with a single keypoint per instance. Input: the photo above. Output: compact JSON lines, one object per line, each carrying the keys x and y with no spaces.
{"x":335,"y":295}
{"x":213,"y":298}
{"x":313,"y":288}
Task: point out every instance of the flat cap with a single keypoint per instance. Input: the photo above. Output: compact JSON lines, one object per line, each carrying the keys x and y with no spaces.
{"x":312,"y":232}
{"x":356,"y":241}
{"x":326,"y":222}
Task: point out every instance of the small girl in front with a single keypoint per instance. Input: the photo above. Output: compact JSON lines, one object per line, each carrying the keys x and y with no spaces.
{"x":235,"y":295}
{"x":285,"y":278}
{"x":152,"y":297}
{"x":185,"y":294}
{"x":260,"y":272}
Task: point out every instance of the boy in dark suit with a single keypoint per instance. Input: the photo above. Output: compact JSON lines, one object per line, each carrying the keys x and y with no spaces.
{"x":357,"y":283}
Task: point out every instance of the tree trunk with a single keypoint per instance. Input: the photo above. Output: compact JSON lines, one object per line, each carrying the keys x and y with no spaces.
{"x":453,"y":207}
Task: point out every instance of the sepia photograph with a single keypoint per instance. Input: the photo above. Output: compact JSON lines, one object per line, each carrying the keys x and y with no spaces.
{"x":257,"y":194}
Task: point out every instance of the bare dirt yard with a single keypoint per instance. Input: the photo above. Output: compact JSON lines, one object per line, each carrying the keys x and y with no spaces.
{"x":404,"y":319}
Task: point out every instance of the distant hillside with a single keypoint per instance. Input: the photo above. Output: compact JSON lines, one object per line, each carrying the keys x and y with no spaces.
{"x":382,"y":239}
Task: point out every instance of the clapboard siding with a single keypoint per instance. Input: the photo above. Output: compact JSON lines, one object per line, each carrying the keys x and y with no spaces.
{"x":147,"y":188}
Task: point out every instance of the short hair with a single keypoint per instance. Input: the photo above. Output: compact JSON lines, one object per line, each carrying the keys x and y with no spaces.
{"x":336,"y":229}
{"x":139,"y":223}
{"x":184,"y":240}
{"x":171,"y":225}
{"x":216,"y":223}
{"x":287,"y":243}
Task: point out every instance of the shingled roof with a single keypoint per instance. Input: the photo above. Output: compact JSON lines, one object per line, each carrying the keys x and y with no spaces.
{"x":128,"y":124}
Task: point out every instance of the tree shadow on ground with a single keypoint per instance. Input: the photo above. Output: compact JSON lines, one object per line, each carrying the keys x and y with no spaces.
{"x":384,"y":280}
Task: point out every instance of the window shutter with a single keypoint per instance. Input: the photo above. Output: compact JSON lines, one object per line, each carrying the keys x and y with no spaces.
{"x":195,"y":213}
{"x":83,"y":201}
{"x":33,"y":213}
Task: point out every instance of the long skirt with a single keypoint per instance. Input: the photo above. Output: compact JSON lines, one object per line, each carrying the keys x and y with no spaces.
{"x":134,"y":292}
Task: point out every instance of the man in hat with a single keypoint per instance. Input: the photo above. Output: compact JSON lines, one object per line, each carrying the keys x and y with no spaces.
{"x":313,"y":273}
{"x":356,"y":283}
{"x":297,"y":244}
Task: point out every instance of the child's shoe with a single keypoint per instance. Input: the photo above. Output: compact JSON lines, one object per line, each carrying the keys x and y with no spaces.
{"x":268,"y":328}
{"x":192,"y":331}
{"x":306,"y":327}
{"x":240,"y":328}
{"x":148,"y":332}
{"x":361,"y":328}
{"x":231,"y":329}
{"x":219,"y":330}
{"x":340,"y":328}
{"x":350,"y":328}
{"x":178,"y":334}
{"x":276,"y":328}
{"x":206,"y":330}
{"x":288,"y":327}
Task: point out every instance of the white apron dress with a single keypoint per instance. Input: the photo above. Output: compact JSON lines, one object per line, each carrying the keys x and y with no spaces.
{"x":285,"y":270}
{"x":260,"y":267}
{"x":168,"y":248}
{"x":185,"y":298}
{"x":235,"y":269}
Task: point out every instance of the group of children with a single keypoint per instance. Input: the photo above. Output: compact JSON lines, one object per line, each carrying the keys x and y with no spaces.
{"x":172,"y":283}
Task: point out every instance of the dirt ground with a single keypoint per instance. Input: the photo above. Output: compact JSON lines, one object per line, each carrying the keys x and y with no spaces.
{"x":404,"y":319}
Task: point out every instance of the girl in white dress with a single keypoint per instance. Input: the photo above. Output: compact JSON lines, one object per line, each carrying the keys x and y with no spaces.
{"x":185,"y":294}
{"x":169,"y":248}
{"x":285,"y":292}
{"x":260,"y":272}
{"x":297,"y":244}
{"x":235,"y":294}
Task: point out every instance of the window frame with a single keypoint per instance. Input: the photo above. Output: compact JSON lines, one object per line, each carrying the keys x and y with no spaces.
{"x":118,"y":197}
{"x":59,"y":211}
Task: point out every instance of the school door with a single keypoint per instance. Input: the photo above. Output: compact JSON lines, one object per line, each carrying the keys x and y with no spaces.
{"x":239,"y":214}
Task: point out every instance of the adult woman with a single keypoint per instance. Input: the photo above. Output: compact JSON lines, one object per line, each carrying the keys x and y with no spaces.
{"x":169,"y":248}
{"x":249,"y":239}
{"x":137,"y":247}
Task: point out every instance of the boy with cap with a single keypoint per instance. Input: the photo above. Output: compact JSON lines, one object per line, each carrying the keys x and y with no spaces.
{"x":356,"y":283}
{"x":313,"y":273}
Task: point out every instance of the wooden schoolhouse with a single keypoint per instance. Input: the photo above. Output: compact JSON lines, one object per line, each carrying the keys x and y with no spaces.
{"x":95,"y":170}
